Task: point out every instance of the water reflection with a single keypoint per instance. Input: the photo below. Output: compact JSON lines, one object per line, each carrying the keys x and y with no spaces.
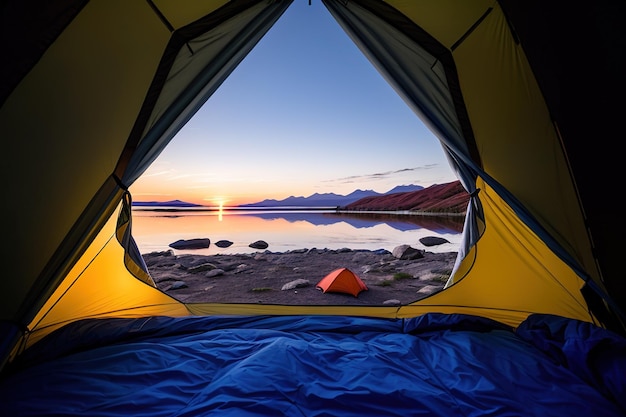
{"x":286,"y":230}
{"x":403,"y":222}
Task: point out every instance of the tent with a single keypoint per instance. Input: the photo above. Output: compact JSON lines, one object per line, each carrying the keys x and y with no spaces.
{"x":522,"y":98}
{"x":342,"y":280}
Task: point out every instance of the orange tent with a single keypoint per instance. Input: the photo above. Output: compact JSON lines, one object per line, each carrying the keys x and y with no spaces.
{"x":342,"y":280}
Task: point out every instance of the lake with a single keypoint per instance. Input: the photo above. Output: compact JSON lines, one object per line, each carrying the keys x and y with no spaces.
{"x":286,"y":230}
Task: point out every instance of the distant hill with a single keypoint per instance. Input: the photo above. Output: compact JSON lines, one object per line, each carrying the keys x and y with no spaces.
{"x":171,"y":203}
{"x":438,"y":198}
{"x":330,"y":199}
{"x":404,"y":189}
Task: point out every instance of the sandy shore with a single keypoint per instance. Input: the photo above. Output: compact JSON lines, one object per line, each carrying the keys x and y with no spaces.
{"x":261,"y":277}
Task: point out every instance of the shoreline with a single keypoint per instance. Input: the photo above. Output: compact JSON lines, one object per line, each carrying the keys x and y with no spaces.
{"x":338,"y":210}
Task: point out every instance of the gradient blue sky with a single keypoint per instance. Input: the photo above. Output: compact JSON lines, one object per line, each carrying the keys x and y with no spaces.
{"x":305,"y":112}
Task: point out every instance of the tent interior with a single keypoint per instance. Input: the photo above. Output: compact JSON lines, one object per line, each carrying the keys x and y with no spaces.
{"x":521,"y":96}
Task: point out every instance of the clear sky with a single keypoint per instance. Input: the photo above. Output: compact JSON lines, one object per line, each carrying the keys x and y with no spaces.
{"x":304,"y":113}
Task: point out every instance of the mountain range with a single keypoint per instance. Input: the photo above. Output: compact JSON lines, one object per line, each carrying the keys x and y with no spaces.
{"x":439,"y":198}
{"x":331,"y":199}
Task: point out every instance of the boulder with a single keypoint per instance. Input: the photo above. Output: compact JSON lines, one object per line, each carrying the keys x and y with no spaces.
{"x":433,"y":241}
{"x":191,"y":244}
{"x":223,"y":243}
{"x":406,"y":252}
{"x":214,"y":273}
{"x":259,"y":244}
{"x":298,"y":283}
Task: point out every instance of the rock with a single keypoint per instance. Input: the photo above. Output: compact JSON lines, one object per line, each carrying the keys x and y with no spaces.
{"x":406,"y":252}
{"x":223,"y":243}
{"x":166,"y":253}
{"x":298,"y":283}
{"x":433,"y":241}
{"x":241,"y":268}
{"x":191,"y":244}
{"x":165,"y":258}
{"x":201,"y":268}
{"x":161,"y":278}
{"x":214,"y":273}
{"x":259,"y":244}
{"x":178,"y":285}
{"x":428,"y":289}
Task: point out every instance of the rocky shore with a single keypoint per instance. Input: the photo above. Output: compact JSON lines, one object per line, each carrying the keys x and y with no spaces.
{"x":393,"y":278}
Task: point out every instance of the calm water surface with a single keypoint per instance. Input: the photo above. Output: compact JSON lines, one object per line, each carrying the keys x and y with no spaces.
{"x":286,"y":230}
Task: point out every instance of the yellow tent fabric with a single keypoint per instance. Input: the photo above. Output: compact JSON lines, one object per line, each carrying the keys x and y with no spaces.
{"x":526,"y":277}
{"x":92,"y":91}
{"x":97,"y":287}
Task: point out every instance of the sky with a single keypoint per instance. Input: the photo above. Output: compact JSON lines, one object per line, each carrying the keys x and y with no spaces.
{"x":305,"y":112}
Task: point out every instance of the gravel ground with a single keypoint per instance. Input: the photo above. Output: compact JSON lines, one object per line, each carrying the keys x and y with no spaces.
{"x":263,"y":277}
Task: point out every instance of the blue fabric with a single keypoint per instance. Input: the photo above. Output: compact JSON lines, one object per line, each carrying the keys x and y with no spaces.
{"x":435,"y":365}
{"x":595,"y":355}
